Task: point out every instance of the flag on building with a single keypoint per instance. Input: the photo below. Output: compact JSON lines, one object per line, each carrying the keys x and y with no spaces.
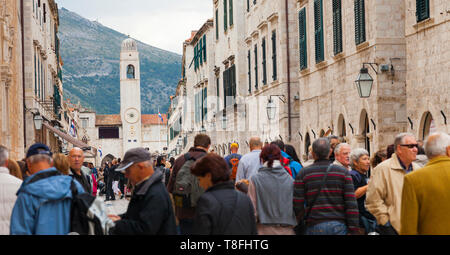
{"x":100,"y":152}
{"x":160,"y":116}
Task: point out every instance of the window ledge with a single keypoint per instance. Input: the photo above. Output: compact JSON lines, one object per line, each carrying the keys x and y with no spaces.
{"x":362,"y":46}
{"x":304,"y":71}
{"x":339,"y":56}
{"x":424,"y":24}
{"x":321,"y":64}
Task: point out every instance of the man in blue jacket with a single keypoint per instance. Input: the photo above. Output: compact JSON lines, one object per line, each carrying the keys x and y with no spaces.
{"x":44,"y":200}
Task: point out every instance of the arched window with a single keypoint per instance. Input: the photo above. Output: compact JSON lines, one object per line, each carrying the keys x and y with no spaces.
{"x":427,"y":125}
{"x":130,"y":72}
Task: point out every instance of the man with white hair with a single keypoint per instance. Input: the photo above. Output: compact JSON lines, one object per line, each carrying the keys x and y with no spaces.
{"x":426,"y":192}
{"x":342,"y":155}
{"x":384,"y":193}
{"x":8,"y":187}
{"x":44,"y":200}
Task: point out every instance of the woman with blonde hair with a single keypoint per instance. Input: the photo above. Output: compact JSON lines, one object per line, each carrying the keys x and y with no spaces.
{"x":61,"y":162}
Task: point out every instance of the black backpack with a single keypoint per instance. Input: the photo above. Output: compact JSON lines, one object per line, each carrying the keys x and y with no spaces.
{"x":88,"y":214}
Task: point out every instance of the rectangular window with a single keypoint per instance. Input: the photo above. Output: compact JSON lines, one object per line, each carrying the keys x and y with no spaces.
{"x":422,"y":10}
{"x":200,"y":50}
{"x":264,"y":62}
{"x":337,"y":26}
{"x":229,"y":85}
{"x":230,"y":3}
{"x":225,"y":17}
{"x":255,"y":52}
{"x":195,"y":57}
{"x":108,"y":132}
{"x":84,"y":122}
{"x":248,"y":5}
{"x":218,"y":93}
{"x":360,"y":22}
{"x":249,"y":60}
{"x":318,"y":31}
{"x":204,"y":103}
{"x":35,"y":74}
{"x":302,"y":39}
{"x":217,"y":24}
{"x":274,"y":55}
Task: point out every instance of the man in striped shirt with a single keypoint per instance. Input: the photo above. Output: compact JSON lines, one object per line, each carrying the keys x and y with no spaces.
{"x":335,"y":211}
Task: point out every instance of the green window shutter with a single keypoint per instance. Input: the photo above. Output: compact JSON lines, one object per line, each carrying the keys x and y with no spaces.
{"x":422,"y":10}
{"x":195,"y":58}
{"x":318,"y":31}
{"x":233,"y":81}
{"x":231,"y":12}
{"x":302,"y":39}
{"x":204,"y":48}
{"x":218,"y":93}
{"x":274,"y":55}
{"x":360,"y":22}
{"x":248,"y":5}
{"x":255,"y":52}
{"x":225,"y":17}
{"x":217,"y":24}
{"x":337,"y":26}
{"x":200,"y":50}
{"x":225,"y":87}
{"x":264,"y":65}
{"x":249,"y":72}
{"x":35,"y":75}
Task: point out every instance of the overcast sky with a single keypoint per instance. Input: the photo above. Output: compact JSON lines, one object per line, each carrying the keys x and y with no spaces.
{"x":161,"y":23}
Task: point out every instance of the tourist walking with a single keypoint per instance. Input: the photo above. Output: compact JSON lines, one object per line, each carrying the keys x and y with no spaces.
{"x":291,"y":166}
{"x":233,"y":160}
{"x":150,"y":209}
{"x":271,"y":191}
{"x":9,"y":185}
{"x":425,"y":197}
{"x":184,"y":208}
{"x":250,"y":163}
{"x":360,"y":164}
{"x":44,"y":200}
{"x":384,"y":193}
{"x":76,"y":159}
{"x":221,"y":210}
{"x":109,"y":179}
{"x":342,"y":155}
{"x":327,"y":190}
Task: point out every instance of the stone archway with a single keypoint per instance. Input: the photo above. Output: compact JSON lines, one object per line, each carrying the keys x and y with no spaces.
{"x":307,"y":144}
{"x":107,"y":158}
{"x":342,"y":132}
{"x":427,"y":125}
{"x":364,"y":129}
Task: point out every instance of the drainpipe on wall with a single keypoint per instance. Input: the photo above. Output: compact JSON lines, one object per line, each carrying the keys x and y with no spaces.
{"x":23,"y":74}
{"x":288,"y":70}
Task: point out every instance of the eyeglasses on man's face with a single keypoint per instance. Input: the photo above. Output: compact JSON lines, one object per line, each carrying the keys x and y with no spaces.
{"x":410,"y":146}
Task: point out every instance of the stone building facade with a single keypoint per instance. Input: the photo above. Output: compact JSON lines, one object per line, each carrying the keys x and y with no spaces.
{"x":42,"y":72}
{"x":11,"y":85}
{"x":336,"y":38}
{"x":428,"y":71}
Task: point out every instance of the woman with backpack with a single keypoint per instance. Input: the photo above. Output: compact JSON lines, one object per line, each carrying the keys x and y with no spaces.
{"x":271,"y":190}
{"x":221,"y":210}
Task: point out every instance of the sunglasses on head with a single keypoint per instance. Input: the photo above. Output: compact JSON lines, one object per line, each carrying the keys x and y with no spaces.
{"x":410,"y":146}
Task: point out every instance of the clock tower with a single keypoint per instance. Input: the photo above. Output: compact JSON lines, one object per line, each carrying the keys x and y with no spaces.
{"x":130,"y":95}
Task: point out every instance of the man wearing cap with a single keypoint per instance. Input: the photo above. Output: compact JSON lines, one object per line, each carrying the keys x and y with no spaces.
{"x":44,"y":200}
{"x":150,"y":209}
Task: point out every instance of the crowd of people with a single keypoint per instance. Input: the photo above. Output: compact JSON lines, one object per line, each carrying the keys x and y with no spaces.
{"x":337,"y":190}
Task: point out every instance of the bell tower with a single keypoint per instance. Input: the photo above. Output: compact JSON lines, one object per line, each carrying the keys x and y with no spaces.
{"x":130,"y":95}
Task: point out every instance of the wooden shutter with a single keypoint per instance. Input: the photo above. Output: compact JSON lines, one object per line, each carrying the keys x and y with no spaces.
{"x":230,"y":3}
{"x":302,"y":39}
{"x":422,"y":10}
{"x":204,"y":48}
{"x":233,"y":81}
{"x":195,"y":58}
{"x":217,"y":24}
{"x":360,"y":22}
{"x":200,"y":50}
{"x":225,"y":20}
{"x":255,"y":52}
{"x":337,"y":27}
{"x":264,"y":65}
{"x":274,"y":55}
{"x":318,"y":30}
{"x":249,"y":72}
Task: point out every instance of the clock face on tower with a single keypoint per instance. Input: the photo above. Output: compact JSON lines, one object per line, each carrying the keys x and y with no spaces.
{"x":131,"y":115}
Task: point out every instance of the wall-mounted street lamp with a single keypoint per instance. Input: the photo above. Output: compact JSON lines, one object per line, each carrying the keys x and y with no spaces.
{"x":38,"y":121}
{"x":272,"y":107}
{"x":364,"y":81}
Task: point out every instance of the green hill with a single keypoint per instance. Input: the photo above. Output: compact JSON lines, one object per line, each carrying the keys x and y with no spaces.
{"x":91,"y":54}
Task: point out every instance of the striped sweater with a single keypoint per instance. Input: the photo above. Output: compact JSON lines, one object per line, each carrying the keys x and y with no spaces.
{"x":336,"y":200}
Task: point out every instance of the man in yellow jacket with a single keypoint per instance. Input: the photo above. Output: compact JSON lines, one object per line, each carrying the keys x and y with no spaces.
{"x":426,"y":192}
{"x":384,"y":193}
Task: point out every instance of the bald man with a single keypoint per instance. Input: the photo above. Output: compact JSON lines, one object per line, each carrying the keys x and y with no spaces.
{"x":76,"y":158}
{"x":250,"y":162}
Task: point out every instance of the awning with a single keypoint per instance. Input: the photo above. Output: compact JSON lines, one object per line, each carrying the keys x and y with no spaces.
{"x":71,"y":139}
